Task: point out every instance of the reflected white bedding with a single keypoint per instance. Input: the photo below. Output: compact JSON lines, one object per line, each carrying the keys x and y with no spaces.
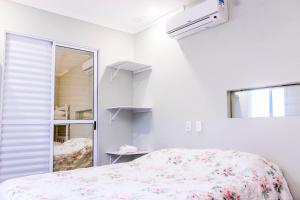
{"x":73,"y":154}
{"x":171,"y":174}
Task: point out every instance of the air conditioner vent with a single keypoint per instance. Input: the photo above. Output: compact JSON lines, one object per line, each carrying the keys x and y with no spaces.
{"x":204,"y":15}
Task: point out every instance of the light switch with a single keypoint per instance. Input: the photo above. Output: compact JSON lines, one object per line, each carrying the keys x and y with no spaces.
{"x":188,"y":126}
{"x":198,"y":126}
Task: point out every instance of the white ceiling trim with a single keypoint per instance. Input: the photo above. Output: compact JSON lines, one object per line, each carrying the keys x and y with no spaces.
{"x":164,"y":17}
{"x":130,"y":16}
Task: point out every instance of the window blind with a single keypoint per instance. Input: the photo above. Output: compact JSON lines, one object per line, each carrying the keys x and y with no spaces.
{"x":26,"y":107}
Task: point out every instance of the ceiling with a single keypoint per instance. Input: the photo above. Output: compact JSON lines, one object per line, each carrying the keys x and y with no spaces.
{"x":130,"y":16}
{"x":66,"y":58}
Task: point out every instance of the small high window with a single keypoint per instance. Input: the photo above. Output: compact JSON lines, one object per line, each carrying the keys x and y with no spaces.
{"x":276,"y":101}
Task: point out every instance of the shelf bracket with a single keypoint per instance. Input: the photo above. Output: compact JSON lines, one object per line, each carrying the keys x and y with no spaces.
{"x":114,"y":161}
{"x":114,"y":115}
{"x":115,"y":73}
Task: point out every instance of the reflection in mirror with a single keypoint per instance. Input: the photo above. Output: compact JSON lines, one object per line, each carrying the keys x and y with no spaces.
{"x":73,"y":146}
{"x":278,"y":101}
{"x":73,"y":84}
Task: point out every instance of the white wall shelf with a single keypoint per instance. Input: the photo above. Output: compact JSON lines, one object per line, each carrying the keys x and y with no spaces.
{"x":119,"y":155}
{"x":135,"y":109}
{"x":128,"y":66}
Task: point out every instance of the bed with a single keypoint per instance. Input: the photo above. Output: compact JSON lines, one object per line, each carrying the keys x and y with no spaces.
{"x":170,"y":174}
{"x":62,"y":112}
{"x":72,"y":154}
{"x":62,"y":131}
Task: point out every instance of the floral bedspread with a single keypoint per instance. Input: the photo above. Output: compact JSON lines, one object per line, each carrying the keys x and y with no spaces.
{"x":73,"y":154}
{"x":170,"y":174}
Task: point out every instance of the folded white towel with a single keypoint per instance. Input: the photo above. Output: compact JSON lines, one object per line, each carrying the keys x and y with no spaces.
{"x":128,"y":149}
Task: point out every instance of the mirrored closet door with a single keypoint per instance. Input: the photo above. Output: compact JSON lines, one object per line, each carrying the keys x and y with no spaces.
{"x":74,"y":109}
{"x":48,"y":107}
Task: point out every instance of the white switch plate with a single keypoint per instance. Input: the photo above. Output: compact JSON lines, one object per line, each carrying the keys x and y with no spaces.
{"x":199,"y":126}
{"x":188,"y":126}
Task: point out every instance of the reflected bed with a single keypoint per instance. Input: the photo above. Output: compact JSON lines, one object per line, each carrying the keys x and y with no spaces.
{"x":73,"y":154}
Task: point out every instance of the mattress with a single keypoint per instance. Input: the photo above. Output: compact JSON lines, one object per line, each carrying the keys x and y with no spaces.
{"x":170,"y":174}
{"x":73,"y":154}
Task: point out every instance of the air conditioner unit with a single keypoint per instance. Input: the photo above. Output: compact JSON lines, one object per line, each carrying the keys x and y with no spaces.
{"x":202,"y":16}
{"x":88,"y":65}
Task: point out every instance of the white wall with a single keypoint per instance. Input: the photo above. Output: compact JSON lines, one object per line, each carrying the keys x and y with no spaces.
{"x":258,"y":47}
{"x":113,"y":46}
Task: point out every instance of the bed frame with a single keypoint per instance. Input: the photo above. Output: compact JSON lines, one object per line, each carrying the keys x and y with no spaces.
{"x":58,"y":137}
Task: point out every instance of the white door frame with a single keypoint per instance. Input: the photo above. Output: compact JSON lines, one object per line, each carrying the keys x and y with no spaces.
{"x":52,"y":121}
{"x":1,"y":81}
{"x":94,"y":121}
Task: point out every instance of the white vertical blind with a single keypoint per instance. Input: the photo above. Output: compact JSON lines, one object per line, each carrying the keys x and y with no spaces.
{"x":26,"y":106}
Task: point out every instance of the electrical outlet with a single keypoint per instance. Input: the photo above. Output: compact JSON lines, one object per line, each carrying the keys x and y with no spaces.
{"x":199,"y":126}
{"x":188,"y":126}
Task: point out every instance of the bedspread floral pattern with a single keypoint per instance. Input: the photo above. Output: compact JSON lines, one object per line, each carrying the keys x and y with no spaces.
{"x":170,"y":174}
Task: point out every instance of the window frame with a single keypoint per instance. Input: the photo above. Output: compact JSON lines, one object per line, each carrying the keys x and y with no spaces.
{"x":271,"y":103}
